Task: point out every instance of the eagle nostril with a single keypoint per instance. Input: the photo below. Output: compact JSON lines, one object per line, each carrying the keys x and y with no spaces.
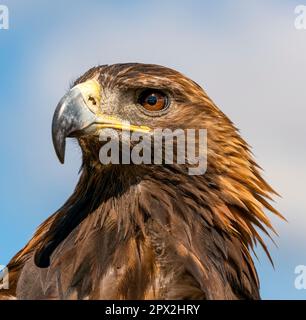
{"x":92,"y":100}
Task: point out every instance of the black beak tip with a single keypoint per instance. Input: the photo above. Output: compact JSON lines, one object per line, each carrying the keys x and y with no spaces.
{"x":59,"y":142}
{"x":61,"y":158}
{"x":59,"y":138}
{"x":59,"y":146}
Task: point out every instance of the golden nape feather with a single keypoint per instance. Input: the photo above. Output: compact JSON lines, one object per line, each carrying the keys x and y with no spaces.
{"x":147,"y":231}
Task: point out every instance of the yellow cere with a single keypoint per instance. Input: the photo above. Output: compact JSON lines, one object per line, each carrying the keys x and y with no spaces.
{"x":90,"y":89}
{"x":105,"y":121}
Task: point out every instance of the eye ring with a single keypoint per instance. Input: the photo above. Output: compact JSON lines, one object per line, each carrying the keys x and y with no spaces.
{"x":153,"y":100}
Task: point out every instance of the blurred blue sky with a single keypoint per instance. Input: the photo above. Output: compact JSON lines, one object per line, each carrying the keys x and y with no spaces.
{"x":246,"y":54}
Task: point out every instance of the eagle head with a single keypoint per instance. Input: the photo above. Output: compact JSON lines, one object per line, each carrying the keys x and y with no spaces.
{"x":170,"y":233}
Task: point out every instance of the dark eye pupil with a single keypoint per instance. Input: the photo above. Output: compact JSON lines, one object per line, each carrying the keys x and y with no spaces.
{"x":152,"y":100}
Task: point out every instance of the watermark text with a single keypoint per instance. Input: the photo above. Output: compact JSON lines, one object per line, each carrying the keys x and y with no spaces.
{"x":300,"y":280}
{"x":4,"y":17}
{"x":161,"y":146}
{"x":300,"y":20}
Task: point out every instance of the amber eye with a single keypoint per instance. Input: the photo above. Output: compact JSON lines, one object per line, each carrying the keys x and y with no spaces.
{"x":153,"y":100}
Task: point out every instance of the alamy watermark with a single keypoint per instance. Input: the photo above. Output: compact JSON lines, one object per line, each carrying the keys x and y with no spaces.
{"x":4,"y":278}
{"x":4,"y":17}
{"x":300,"y":20}
{"x":160,"y":146}
{"x":300,"y":280}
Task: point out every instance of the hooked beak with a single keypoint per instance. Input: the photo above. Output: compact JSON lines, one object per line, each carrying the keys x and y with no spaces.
{"x":79,"y":113}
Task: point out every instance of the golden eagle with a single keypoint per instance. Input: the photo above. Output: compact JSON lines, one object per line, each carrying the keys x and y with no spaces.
{"x":147,"y":231}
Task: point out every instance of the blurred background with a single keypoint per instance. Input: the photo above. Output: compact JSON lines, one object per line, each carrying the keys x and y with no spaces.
{"x":247,"y":55}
